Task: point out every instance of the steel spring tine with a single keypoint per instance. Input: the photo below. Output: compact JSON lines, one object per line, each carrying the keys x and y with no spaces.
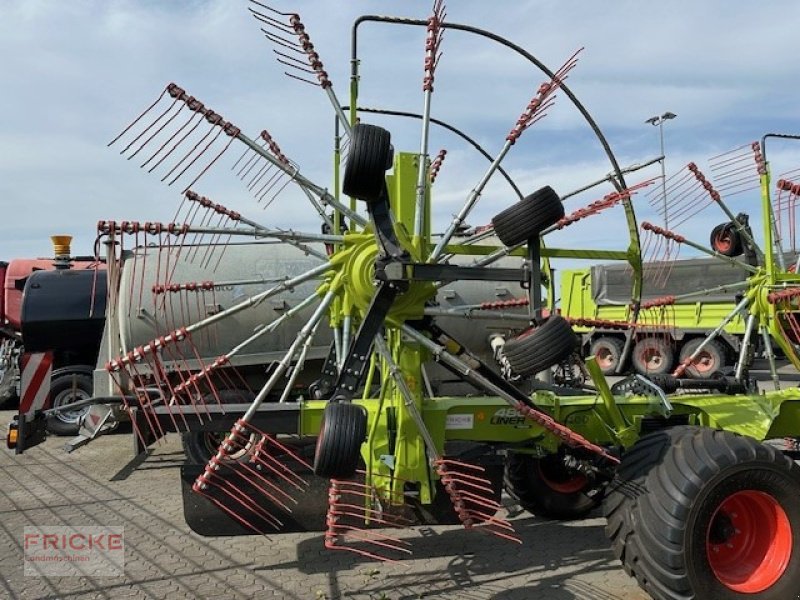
{"x":157,"y":131}
{"x":178,"y":143}
{"x":188,"y":154}
{"x":169,"y":139}
{"x":196,"y":158}
{"x":158,"y":118}
{"x":137,"y":119}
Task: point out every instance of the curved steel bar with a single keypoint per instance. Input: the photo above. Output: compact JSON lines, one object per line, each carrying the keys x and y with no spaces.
{"x":458,"y":132}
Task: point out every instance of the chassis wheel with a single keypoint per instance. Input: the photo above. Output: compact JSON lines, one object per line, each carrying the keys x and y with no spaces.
{"x":541,"y":347}
{"x":370,"y":156}
{"x":726,"y":240}
{"x":343,"y":430}
{"x":200,"y":446}
{"x":710,"y":359}
{"x":652,"y":356}
{"x":546,"y":488}
{"x":607,"y":351}
{"x":695,"y":514}
{"x":528,"y":217}
{"x":66,"y":387}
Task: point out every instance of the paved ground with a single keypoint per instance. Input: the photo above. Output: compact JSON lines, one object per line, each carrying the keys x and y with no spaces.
{"x":97,"y":486}
{"x":165,"y":560}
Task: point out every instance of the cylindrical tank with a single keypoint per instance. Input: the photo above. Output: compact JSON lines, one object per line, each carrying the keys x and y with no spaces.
{"x":58,"y":313}
{"x":246,"y":269}
{"x":237,"y":272}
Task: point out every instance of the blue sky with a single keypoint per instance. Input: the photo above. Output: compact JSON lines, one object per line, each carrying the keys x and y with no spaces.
{"x":75,"y":73}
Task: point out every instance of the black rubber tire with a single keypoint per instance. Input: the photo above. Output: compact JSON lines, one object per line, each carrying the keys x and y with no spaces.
{"x":649,"y":347}
{"x":200,"y":446}
{"x":343,"y":430}
{"x":608,"y":352}
{"x":726,"y":240}
{"x":541,"y":347}
{"x":369,"y":157}
{"x":668,"y":489}
{"x":530,"y":481}
{"x":712,"y":358}
{"x":528,"y":217}
{"x":61,"y":386}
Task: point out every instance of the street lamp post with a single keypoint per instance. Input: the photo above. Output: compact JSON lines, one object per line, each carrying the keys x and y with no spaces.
{"x":658,"y":120}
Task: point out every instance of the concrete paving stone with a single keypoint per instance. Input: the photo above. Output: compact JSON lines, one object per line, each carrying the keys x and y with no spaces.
{"x":164,"y":559}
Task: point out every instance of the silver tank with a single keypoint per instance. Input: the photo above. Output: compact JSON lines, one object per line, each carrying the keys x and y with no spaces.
{"x":245,"y":269}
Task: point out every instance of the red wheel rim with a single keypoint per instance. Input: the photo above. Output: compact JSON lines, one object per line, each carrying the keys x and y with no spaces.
{"x":723,"y":242}
{"x":652,"y":358}
{"x":704,"y":363}
{"x":558,"y":479}
{"x":749,"y":542}
{"x":604,"y":357}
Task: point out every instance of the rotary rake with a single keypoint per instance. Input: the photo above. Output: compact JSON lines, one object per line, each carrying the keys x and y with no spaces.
{"x":377,"y":277}
{"x":370,"y":445}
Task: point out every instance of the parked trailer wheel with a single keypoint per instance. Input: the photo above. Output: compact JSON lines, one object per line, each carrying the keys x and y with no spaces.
{"x":726,"y":240}
{"x":200,"y":446}
{"x":370,"y":156}
{"x":546,"y":488}
{"x":607,"y":351}
{"x":343,"y":430}
{"x":710,"y":359}
{"x":528,"y":217}
{"x":541,"y":347}
{"x":652,"y":356}
{"x":695,"y":514}
{"x":68,"y":386}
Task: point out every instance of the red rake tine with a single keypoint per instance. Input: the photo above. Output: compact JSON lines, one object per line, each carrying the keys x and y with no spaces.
{"x":210,"y":164}
{"x":252,"y":476}
{"x":244,"y":499}
{"x":158,"y":130}
{"x":139,"y":118}
{"x":371,"y":537}
{"x":272,"y":440}
{"x":175,"y":146}
{"x":169,"y":140}
{"x":197,"y":157}
{"x":149,"y":127}
{"x":199,"y":487}
{"x":298,"y":482}
{"x":188,"y":154}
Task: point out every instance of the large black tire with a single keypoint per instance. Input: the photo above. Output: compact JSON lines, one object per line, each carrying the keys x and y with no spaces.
{"x":200,"y":446}
{"x":607,"y":351}
{"x":546,"y":488}
{"x":710,"y":360}
{"x":369,"y":157}
{"x":726,"y":240}
{"x":541,"y":347}
{"x":69,"y":385}
{"x":343,"y":430}
{"x":528,"y":217}
{"x":699,"y":514}
{"x":653,"y":356}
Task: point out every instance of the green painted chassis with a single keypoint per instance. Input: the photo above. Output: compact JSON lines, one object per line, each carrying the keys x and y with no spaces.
{"x":490,"y":420}
{"x":394,"y":458}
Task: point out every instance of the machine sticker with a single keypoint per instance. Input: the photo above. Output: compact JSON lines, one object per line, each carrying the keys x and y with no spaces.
{"x":509,"y":416}
{"x":466,"y":421}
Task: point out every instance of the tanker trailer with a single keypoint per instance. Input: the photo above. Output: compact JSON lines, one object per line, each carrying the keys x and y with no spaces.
{"x":161,"y":290}
{"x":62,"y":318}
{"x":203,"y":284}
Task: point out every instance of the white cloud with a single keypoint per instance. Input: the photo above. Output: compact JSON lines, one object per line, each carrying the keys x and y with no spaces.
{"x":81,"y":70}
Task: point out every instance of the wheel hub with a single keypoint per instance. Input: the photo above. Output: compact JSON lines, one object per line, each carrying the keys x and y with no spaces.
{"x":749,"y":542}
